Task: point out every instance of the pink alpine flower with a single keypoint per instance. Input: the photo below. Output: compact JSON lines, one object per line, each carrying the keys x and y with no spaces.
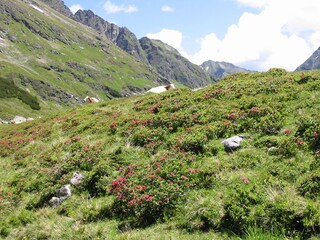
{"x":286,"y":131}
{"x":245,"y":180}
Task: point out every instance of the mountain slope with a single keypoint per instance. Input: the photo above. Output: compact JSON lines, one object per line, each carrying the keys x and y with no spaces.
{"x":221,"y":69}
{"x":60,"y":61}
{"x":156,"y":163}
{"x":121,"y":36}
{"x":170,"y":64}
{"x":166,"y":60}
{"x":311,"y":63}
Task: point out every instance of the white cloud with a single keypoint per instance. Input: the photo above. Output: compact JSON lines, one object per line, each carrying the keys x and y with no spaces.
{"x":113,"y":8}
{"x":167,"y":8}
{"x":315,"y":40}
{"x":254,"y":3}
{"x":170,"y":37}
{"x":75,"y":8}
{"x":284,"y":33}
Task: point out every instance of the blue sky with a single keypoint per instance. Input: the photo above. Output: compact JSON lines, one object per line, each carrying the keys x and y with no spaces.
{"x":256,"y":34}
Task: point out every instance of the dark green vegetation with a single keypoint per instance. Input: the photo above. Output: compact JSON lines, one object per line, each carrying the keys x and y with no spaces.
{"x":9,"y":90}
{"x":154,"y":165}
{"x":59,"y":61}
{"x":221,"y":69}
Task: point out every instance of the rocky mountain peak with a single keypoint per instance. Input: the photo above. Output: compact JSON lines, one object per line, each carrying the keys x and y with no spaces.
{"x":313,"y":62}
{"x":121,"y":36}
{"x":59,"y":6}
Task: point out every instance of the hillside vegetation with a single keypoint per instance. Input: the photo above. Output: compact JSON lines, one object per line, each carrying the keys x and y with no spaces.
{"x":58,"y":61}
{"x":154,"y":165}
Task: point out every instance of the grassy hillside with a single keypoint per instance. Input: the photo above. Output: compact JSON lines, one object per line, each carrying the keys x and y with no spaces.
{"x":59,"y":61}
{"x":155,"y":167}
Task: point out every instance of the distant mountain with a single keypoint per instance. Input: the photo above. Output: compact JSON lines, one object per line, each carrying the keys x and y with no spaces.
{"x":312,"y":62}
{"x":221,"y":69}
{"x":170,"y":64}
{"x":49,"y":61}
{"x":166,"y":60}
{"x":121,"y":36}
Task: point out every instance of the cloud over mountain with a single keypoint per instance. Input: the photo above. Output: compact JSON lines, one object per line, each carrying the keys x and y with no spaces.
{"x":111,"y":8}
{"x":74,"y":8}
{"x":274,"y":34}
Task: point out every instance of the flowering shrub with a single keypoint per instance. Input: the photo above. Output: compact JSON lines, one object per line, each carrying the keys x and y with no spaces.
{"x":147,"y":193}
{"x":309,"y":130}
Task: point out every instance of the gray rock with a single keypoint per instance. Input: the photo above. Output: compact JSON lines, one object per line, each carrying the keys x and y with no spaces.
{"x":77,"y":178}
{"x":233,"y":143}
{"x":55,"y":201}
{"x":18,"y":120}
{"x":3,"y":121}
{"x":64,"y":191}
{"x":62,"y":194}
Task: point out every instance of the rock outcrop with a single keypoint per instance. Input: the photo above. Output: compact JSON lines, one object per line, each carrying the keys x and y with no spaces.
{"x":59,"y":6}
{"x":121,"y":36}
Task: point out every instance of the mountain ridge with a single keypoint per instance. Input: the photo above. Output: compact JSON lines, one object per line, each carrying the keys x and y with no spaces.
{"x":191,"y":75}
{"x":221,"y":69}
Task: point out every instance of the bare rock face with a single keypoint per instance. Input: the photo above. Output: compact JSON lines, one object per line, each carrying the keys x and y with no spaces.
{"x":121,"y":36}
{"x":59,"y":6}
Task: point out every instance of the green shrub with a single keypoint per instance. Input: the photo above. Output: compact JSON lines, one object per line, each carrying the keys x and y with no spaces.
{"x":310,"y":185}
{"x":202,"y":211}
{"x":309,"y":131}
{"x":243,"y":206}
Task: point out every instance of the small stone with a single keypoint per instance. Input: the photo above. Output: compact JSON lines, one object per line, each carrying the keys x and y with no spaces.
{"x":77,"y":178}
{"x":233,"y":143}
{"x":64,"y":191}
{"x":54,"y":201}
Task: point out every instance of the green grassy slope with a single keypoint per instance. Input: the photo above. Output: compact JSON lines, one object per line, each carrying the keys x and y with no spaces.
{"x":155,"y":167}
{"x":51,"y":57}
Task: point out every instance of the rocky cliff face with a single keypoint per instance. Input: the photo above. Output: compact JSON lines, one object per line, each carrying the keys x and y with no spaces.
{"x":221,"y":69}
{"x":312,"y":62}
{"x":59,"y":6}
{"x":121,"y":36}
{"x":170,"y":64}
